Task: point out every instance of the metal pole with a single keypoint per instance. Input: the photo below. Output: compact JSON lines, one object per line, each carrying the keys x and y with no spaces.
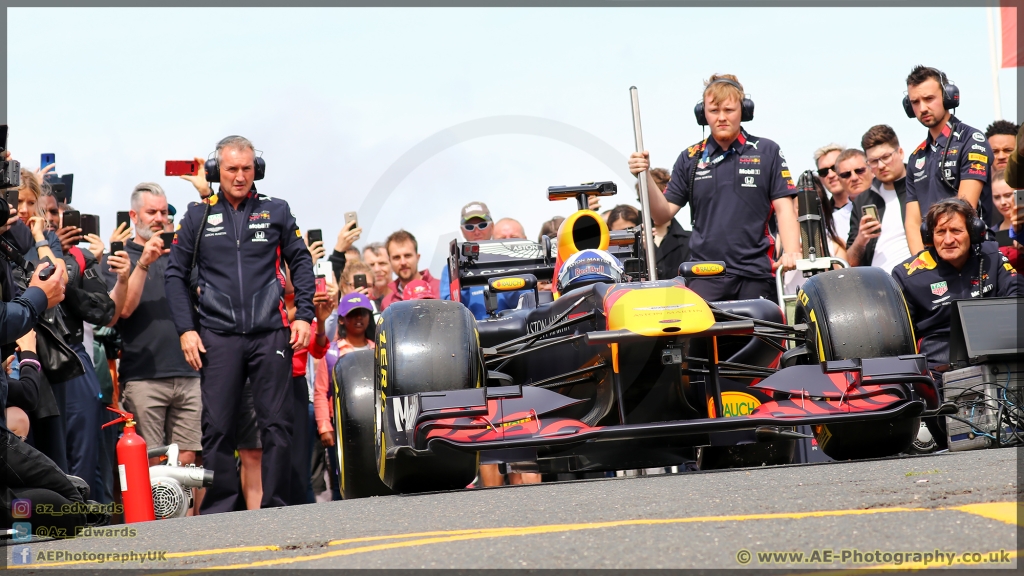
{"x":645,"y":202}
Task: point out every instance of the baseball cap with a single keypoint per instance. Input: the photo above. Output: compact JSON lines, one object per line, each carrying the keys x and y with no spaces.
{"x":418,"y":290}
{"x":354,"y":301}
{"x":475,"y":210}
{"x":171,"y":211}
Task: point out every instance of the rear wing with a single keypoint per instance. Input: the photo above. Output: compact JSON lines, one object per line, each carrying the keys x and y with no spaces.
{"x":474,"y":263}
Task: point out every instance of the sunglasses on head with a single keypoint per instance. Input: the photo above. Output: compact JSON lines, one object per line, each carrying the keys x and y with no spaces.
{"x":478,"y":226}
{"x":859,"y":171}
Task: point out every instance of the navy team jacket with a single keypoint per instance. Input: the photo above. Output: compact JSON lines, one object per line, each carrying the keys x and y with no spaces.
{"x":241,"y":277}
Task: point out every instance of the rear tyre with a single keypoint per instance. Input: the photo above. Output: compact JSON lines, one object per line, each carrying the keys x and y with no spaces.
{"x":425,"y":346}
{"x":354,"y":433}
{"x":858,"y":313}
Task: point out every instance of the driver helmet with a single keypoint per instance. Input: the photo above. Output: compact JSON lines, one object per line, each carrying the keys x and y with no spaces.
{"x":586,"y":267}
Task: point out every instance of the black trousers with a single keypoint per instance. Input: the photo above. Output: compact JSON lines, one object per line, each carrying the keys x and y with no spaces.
{"x":731,"y":287}
{"x":266,"y":360}
{"x":29,"y":475}
{"x":49,"y":435}
{"x":302,"y":455}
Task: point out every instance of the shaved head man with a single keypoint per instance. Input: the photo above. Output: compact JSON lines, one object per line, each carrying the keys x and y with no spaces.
{"x":507,"y":229}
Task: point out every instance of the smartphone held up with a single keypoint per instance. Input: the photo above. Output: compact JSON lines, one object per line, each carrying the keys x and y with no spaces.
{"x":168,"y":238}
{"x":181,"y":168}
{"x":871,"y":211}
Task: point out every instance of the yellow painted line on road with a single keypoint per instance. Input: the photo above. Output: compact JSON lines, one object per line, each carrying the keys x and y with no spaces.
{"x":410,"y":535}
{"x":485,"y":533}
{"x":1009,"y":512}
{"x":1000,"y":511}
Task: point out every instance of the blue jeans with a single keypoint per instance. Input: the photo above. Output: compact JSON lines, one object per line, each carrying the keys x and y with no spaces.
{"x":83,"y":431}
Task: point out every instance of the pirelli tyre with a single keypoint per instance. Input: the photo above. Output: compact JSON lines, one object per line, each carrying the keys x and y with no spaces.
{"x":425,"y":346}
{"x":858,"y":313}
{"x":352,"y":381}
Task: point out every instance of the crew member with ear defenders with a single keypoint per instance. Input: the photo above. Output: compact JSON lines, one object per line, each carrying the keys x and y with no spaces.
{"x":243,"y":237}
{"x":958,"y":264}
{"x":735,"y":184}
{"x":948,"y":271}
{"x":954,"y":159}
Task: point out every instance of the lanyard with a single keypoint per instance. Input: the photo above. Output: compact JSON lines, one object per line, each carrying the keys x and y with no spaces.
{"x":704,"y":163}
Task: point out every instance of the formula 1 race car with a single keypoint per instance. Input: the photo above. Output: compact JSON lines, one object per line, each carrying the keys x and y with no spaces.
{"x":632,"y":374}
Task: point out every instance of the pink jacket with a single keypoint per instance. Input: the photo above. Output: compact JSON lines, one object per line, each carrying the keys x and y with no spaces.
{"x":322,"y":410}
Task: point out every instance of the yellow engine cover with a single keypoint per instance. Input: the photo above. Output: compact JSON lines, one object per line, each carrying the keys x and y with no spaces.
{"x":660,"y":311}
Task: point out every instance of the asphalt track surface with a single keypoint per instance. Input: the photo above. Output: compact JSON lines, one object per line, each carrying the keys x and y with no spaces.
{"x":961,"y":502}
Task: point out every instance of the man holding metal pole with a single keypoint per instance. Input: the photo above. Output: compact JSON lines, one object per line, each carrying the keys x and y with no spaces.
{"x":735,"y":183}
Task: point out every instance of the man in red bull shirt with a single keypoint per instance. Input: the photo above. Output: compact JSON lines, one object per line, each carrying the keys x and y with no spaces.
{"x":735,"y":184}
{"x":952,"y":162}
{"x":948,"y":271}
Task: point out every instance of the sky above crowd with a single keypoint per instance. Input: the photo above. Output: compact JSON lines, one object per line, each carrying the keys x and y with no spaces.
{"x":431,"y":108}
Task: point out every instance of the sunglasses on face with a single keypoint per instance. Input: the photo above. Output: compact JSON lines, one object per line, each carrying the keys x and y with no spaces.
{"x":859,"y":171}
{"x":823,"y":172}
{"x":477,"y":226}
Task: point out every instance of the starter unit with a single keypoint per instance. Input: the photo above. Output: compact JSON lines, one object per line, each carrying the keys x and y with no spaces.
{"x":172,"y":484}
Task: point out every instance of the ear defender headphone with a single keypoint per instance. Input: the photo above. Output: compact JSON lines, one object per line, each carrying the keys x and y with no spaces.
{"x":746,"y":104}
{"x":950,"y":94}
{"x":976,"y":228}
{"x":212,"y":165}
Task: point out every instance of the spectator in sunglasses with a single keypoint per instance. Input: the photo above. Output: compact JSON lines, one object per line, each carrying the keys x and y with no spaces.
{"x":476,"y":222}
{"x":880,"y":242}
{"x":853,"y":173}
{"x":825,"y":162}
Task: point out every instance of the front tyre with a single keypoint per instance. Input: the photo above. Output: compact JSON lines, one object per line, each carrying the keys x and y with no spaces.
{"x":355,"y":425}
{"x":424,"y":346}
{"x":858,"y":313}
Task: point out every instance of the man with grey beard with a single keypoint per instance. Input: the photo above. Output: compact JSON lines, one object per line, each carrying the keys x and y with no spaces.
{"x":160,"y":388}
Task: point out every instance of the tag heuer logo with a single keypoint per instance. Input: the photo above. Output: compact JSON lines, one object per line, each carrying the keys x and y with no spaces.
{"x":939,"y":288}
{"x":214,"y":219}
{"x":919,"y":164}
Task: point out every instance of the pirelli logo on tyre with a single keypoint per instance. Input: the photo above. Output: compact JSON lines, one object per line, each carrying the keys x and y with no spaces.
{"x":381,"y":399}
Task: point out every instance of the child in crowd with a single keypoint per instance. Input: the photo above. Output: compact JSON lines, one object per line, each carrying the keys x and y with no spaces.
{"x":355,"y":312}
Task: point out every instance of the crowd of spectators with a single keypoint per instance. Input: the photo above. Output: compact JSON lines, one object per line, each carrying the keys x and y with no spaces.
{"x":123,"y":317}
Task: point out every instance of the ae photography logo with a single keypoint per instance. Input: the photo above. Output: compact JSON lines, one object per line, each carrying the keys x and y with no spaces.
{"x":22,"y":555}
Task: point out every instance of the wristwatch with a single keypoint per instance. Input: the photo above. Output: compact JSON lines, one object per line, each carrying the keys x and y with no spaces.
{"x":42,"y":243}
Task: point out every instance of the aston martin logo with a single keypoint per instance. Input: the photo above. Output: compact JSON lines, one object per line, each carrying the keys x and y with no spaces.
{"x":663,"y":308}
{"x":521,"y":249}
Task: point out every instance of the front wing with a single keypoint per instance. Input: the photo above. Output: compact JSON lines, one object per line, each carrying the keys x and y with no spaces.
{"x":521,"y":416}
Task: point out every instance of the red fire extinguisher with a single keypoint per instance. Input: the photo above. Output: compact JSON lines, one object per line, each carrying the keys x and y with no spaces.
{"x":133,"y":469}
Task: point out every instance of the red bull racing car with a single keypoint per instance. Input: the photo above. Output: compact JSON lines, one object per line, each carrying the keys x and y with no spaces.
{"x":636,"y":373}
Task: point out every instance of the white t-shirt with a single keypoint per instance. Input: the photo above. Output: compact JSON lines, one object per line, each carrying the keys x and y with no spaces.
{"x":891,"y":248}
{"x":841,"y":217}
